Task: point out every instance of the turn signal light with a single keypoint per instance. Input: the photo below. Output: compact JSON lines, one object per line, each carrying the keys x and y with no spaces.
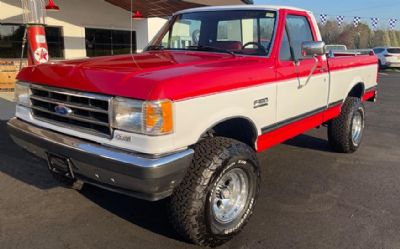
{"x":158,"y":117}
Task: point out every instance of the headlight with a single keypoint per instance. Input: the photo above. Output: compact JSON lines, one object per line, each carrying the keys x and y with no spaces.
{"x":22,"y":94}
{"x":150,"y":117}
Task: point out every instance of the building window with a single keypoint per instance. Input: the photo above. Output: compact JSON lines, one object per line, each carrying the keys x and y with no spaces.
{"x":100,"y":42}
{"x":55,"y":42}
{"x":11,"y":36}
{"x":11,"y":40}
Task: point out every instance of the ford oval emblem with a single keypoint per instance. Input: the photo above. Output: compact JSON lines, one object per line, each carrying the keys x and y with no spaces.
{"x":63,"y":110}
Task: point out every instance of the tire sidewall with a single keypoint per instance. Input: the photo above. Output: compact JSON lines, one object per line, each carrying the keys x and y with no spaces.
{"x":356,"y":107}
{"x":249,"y":166}
{"x":190,"y":209}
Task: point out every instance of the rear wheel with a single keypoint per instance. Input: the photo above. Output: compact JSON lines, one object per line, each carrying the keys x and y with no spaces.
{"x":218,"y":194}
{"x":346,"y":131}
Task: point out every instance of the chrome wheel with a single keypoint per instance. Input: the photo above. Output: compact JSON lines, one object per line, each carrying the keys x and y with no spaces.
{"x":230,"y":196}
{"x":357,"y":127}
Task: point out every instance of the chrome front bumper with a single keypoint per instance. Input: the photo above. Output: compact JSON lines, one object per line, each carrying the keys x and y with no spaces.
{"x":138,"y":175}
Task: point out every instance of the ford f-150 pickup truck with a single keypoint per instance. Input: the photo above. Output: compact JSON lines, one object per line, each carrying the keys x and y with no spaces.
{"x":186,"y":118}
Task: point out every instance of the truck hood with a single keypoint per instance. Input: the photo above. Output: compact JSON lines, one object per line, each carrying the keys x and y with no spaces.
{"x":148,"y":76}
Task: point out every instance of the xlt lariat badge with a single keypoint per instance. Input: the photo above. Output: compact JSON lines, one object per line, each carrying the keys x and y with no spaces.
{"x":123,"y":138}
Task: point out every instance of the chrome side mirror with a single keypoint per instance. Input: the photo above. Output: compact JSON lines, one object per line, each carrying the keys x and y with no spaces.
{"x":313,"y":48}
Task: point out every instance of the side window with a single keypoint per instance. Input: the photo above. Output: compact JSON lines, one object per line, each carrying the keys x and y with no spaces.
{"x":247,"y":30}
{"x":299,"y":31}
{"x":184,"y":33}
{"x":229,"y":31}
{"x":284,"y":52}
{"x":165,"y":40}
{"x":267,"y":26}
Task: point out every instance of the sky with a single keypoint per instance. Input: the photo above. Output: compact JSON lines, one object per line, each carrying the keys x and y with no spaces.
{"x":383,"y":9}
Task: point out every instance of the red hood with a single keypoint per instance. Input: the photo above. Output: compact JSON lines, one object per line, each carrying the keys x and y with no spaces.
{"x":150,"y":75}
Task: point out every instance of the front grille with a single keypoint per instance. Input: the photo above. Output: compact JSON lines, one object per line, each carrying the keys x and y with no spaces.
{"x":89,"y":113}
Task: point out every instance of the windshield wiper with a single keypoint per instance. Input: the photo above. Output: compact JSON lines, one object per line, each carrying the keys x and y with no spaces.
{"x":210,"y":48}
{"x":155,"y":47}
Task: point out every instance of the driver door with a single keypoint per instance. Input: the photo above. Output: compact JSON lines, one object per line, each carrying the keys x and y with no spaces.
{"x":299,"y":95}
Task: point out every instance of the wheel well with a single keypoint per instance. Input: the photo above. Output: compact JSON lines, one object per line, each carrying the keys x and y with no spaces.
{"x":240,"y":129}
{"x":357,"y":91}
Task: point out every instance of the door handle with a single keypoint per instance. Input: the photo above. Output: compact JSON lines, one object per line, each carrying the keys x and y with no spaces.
{"x":311,"y":74}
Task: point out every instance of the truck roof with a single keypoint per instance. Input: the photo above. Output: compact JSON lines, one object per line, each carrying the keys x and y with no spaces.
{"x":241,"y":7}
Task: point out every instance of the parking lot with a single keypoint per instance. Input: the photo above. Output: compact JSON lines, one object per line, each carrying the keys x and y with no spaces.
{"x":311,"y":197}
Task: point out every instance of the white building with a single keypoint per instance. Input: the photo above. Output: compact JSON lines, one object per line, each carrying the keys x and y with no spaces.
{"x":93,"y":27}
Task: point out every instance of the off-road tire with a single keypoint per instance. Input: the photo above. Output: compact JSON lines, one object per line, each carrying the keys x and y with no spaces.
{"x":190,"y":203}
{"x":340,"y":128}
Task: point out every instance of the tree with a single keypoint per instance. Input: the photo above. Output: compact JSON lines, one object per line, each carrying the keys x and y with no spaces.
{"x":365,"y":34}
{"x":386,"y":39}
{"x":348,"y":37}
{"x":360,"y":37}
{"x":330,"y":32}
{"x":393,"y":39}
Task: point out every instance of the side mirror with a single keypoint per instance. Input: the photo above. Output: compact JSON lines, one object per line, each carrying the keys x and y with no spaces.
{"x":312,"y":49}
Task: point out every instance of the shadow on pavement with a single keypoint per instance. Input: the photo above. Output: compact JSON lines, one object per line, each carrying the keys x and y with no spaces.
{"x":389,"y":70}
{"x":16,"y":162}
{"x":151,"y":216}
{"x":7,"y":108}
{"x":310,"y":142}
{"x":148,"y":215}
{"x":21,"y":165}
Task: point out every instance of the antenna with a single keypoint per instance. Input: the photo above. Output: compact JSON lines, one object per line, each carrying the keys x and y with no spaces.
{"x":130,"y":37}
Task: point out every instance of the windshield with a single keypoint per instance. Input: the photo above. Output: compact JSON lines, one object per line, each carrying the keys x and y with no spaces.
{"x":248,"y":32}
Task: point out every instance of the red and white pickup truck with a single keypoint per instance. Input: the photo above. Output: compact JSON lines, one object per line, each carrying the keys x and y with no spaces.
{"x":185,"y":118}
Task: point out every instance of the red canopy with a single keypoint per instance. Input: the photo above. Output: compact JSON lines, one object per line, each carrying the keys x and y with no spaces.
{"x":162,"y":8}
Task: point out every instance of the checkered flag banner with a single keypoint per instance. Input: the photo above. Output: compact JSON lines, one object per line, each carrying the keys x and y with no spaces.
{"x":339,"y":20}
{"x":356,"y":21}
{"x":324,"y":18}
{"x":392,"y":23}
{"x":374,"y":23}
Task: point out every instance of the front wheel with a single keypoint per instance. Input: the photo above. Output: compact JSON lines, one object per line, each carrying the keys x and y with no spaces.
{"x":346,"y":131}
{"x":218,"y":194}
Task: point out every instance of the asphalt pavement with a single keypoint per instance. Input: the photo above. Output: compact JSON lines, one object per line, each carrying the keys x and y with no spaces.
{"x":311,"y":197}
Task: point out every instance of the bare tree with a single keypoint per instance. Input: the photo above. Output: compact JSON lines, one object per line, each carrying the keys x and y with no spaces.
{"x":360,"y":37}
